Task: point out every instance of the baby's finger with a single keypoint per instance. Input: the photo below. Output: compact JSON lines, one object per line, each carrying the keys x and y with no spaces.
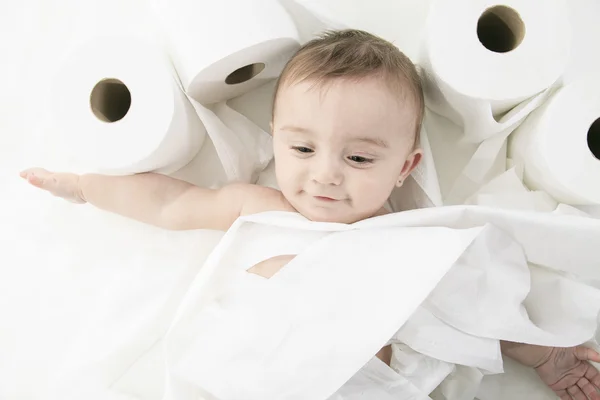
{"x":33,"y":171}
{"x":590,"y":390}
{"x":593,"y":375}
{"x":36,"y":181}
{"x":563,"y":395}
{"x":586,"y":354}
{"x":576,"y":393}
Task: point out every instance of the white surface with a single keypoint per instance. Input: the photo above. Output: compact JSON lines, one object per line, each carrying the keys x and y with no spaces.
{"x":65,"y":268}
{"x":552,"y":147}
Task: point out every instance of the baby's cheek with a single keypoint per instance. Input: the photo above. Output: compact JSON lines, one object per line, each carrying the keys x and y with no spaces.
{"x":372,"y":194}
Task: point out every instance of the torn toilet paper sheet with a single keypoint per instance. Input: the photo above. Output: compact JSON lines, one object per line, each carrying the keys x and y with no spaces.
{"x":289,"y":329}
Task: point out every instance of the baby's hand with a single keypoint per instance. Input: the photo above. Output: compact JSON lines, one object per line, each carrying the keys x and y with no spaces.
{"x":568,"y":372}
{"x":63,"y":185}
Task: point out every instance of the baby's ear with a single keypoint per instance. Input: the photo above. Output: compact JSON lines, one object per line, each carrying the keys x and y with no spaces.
{"x":413,"y":159}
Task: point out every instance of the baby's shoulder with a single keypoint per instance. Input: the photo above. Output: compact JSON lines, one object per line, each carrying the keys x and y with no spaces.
{"x":257,"y":199}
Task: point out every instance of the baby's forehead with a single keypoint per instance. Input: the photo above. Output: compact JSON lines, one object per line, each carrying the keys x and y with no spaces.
{"x":365,"y":106}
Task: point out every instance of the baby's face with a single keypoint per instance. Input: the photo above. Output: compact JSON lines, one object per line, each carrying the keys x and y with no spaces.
{"x":340,"y":149}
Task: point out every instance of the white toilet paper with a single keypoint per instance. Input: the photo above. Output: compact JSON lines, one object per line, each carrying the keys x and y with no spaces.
{"x":222,"y":49}
{"x":559,"y":145}
{"x":485,"y":61}
{"x":243,"y":148}
{"x":121,"y":111}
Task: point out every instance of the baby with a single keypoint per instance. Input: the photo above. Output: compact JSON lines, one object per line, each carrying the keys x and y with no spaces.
{"x":346,"y":117}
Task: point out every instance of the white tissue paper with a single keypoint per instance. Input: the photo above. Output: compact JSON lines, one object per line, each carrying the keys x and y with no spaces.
{"x":489,"y":159}
{"x":244,"y":149}
{"x":376,"y":380}
{"x":485,"y":61}
{"x":218,"y":346}
{"x":431,"y":337}
{"x":119,"y":109}
{"x":462,"y":384}
{"x":425,"y":372}
{"x":508,"y":191}
{"x":558,"y":146}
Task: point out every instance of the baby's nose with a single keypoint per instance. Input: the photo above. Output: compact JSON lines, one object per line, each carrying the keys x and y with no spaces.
{"x":328,"y":172}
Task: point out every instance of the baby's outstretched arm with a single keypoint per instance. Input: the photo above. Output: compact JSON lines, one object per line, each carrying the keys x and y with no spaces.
{"x":567,"y":371}
{"x":154,"y":198}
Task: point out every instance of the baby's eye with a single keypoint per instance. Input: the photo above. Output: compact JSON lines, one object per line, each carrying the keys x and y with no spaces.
{"x":360,"y":160}
{"x":302,"y":149}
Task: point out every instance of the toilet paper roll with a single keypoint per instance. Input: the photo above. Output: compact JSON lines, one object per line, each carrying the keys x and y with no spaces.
{"x":485,"y":61}
{"x":120,"y":109}
{"x":227,"y":47}
{"x":558,"y":145}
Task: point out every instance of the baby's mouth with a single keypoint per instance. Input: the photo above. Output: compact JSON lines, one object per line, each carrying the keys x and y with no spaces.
{"x":327,"y":199}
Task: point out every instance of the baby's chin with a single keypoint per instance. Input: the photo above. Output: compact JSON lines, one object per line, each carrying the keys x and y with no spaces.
{"x":330,"y":216}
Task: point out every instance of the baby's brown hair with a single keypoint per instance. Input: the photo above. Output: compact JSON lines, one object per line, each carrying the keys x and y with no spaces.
{"x":355,"y":54}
